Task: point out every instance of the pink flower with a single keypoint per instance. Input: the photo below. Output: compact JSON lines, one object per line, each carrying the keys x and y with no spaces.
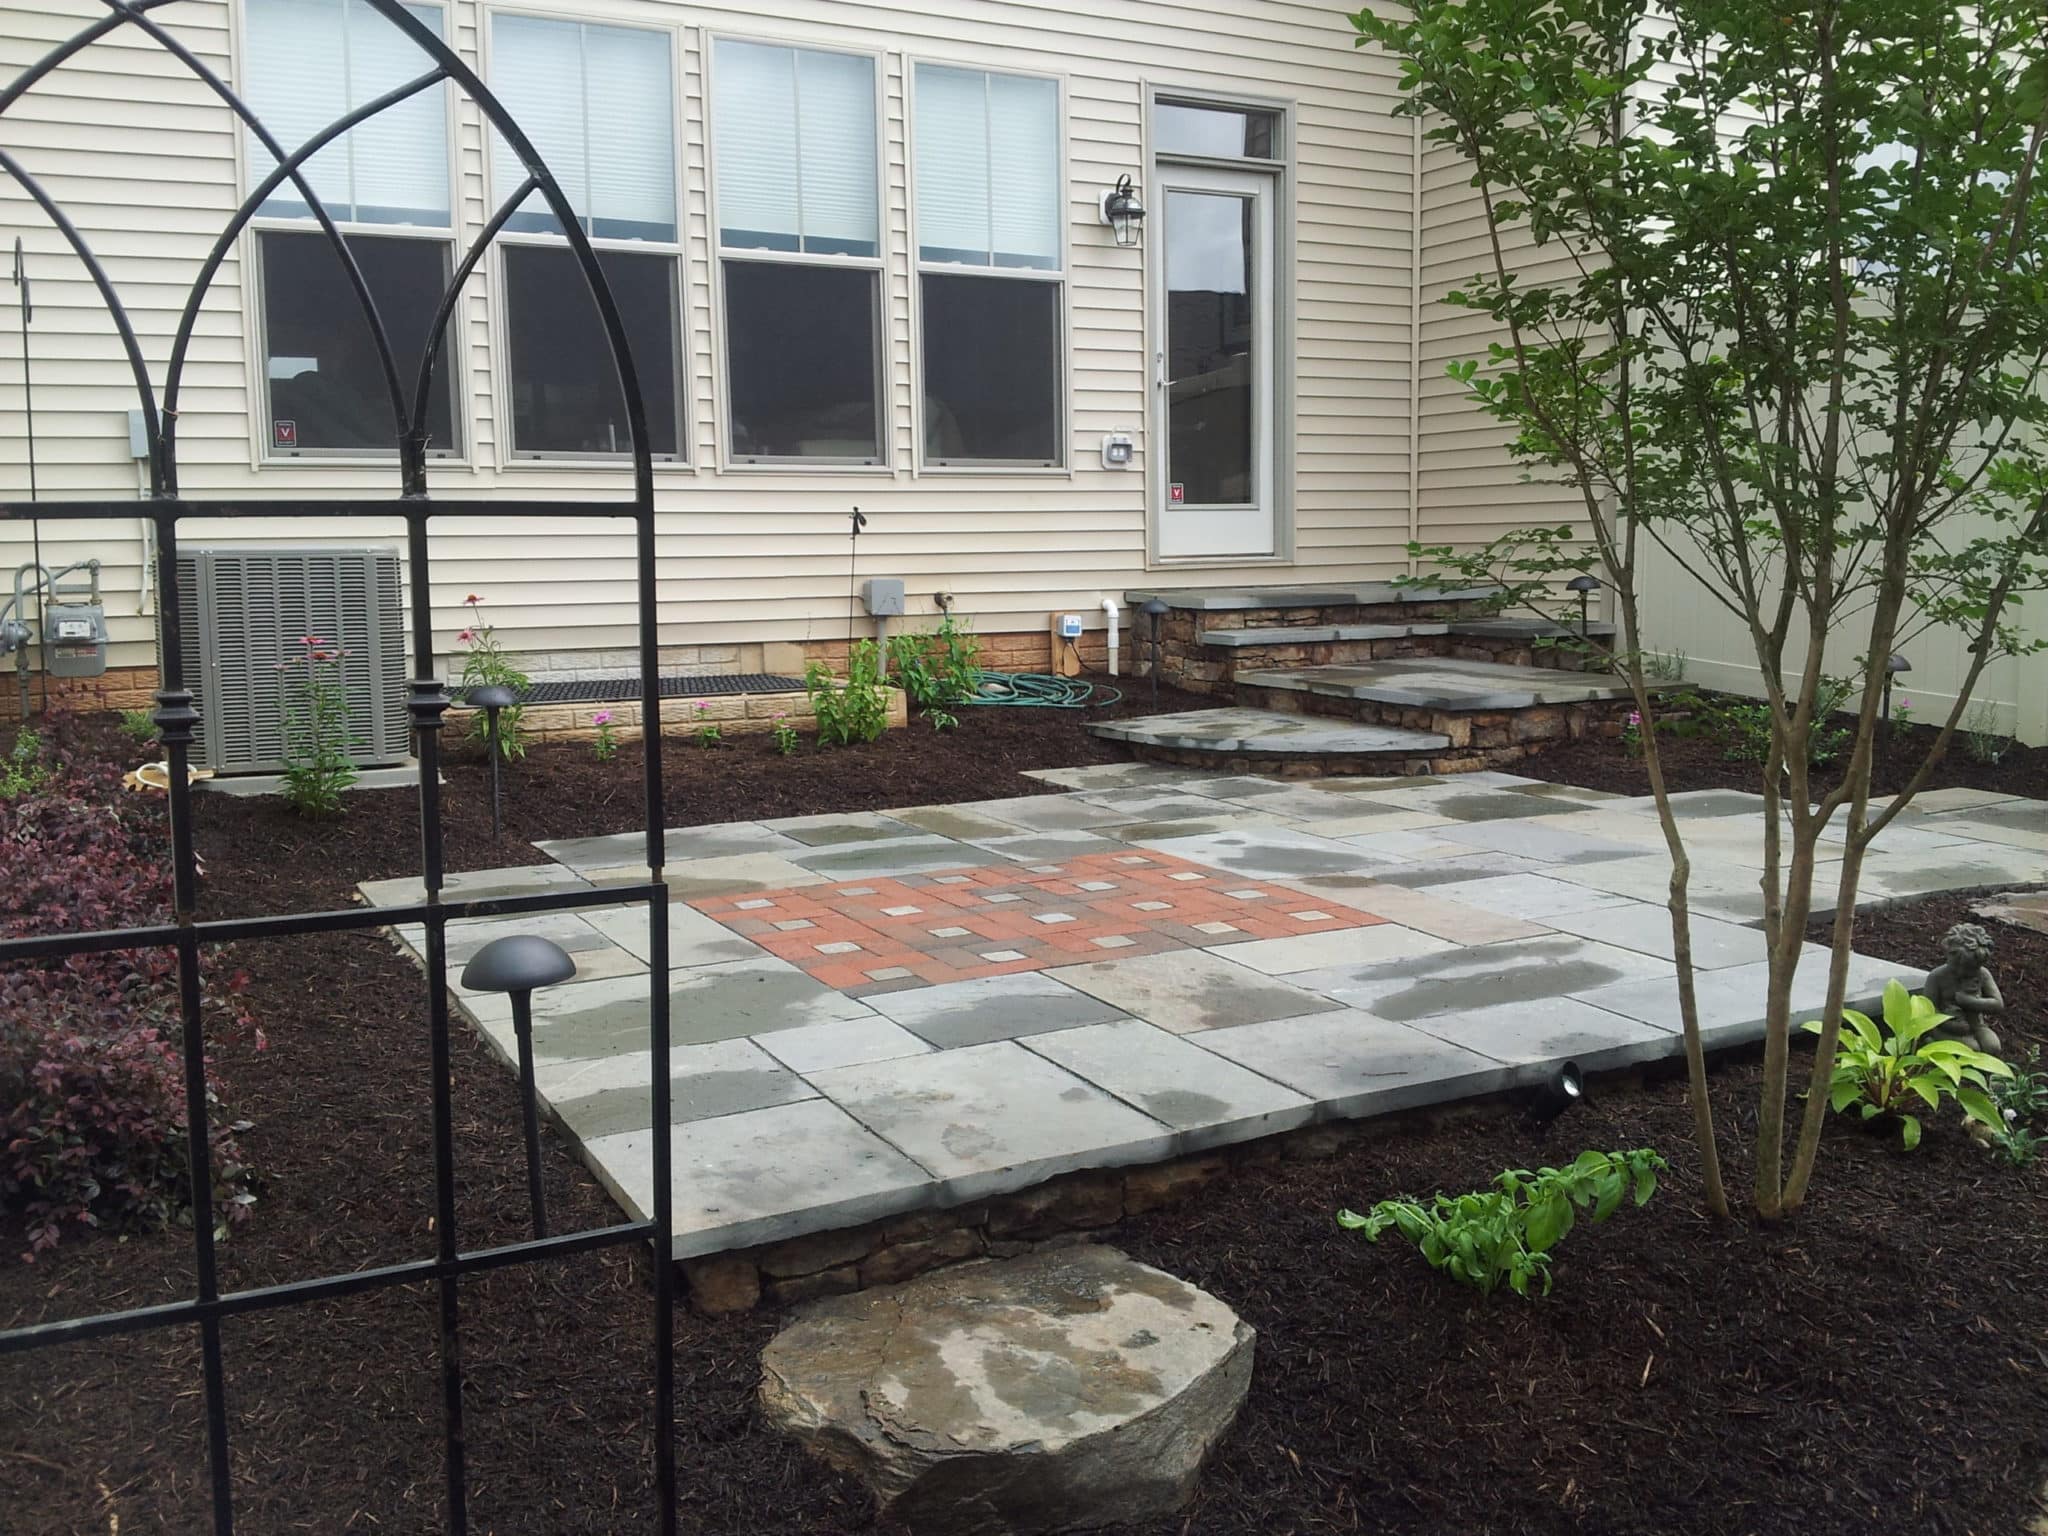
{"x":702,"y":706}
{"x":472,"y":598}
{"x":311,"y":640}
{"x":602,"y":717}
{"x":467,"y":634}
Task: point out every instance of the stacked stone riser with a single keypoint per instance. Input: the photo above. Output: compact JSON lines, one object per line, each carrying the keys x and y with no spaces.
{"x":1479,"y":739}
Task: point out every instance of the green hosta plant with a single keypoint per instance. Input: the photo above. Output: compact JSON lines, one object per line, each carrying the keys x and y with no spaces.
{"x":854,"y":709}
{"x":1506,"y":1233}
{"x":1897,"y":1069}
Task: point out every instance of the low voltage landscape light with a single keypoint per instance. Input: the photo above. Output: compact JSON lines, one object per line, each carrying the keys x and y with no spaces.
{"x":1156,"y":610}
{"x":1557,"y":1093}
{"x":1585,"y":584}
{"x":1122,"y":211}
{"x":492,"y":698}
{"x":516,"y":965}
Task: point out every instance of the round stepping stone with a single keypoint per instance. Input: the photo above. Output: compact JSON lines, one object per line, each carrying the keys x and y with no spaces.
{"x":1070,"y":1387}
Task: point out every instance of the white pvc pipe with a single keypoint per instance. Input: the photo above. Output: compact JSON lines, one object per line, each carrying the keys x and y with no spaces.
{"x":1109,"y":608}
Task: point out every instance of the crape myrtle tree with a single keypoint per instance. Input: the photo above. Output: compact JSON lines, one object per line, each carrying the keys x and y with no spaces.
{"x":1794,"y":346}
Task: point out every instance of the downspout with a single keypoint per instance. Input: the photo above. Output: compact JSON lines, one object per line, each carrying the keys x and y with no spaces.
{"x":1110,"y":610}
{"x":1415,"y":344}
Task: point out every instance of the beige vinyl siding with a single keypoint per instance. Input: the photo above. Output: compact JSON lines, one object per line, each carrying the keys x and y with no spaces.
{"x":145,"y":160}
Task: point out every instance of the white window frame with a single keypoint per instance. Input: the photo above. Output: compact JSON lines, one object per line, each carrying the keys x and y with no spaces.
{"x":878,"y":265}
{"x":1283,"y":171}
{"x":1062,"y":468}
{"x":256,"y":344}
{"x":509,"y":455}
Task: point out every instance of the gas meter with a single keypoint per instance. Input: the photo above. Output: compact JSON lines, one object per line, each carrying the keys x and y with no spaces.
{"x":75,"y":639}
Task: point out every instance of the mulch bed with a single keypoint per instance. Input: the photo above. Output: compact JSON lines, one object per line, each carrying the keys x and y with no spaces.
{"x":1702,"y":762}
{"x":1877,"y":1364}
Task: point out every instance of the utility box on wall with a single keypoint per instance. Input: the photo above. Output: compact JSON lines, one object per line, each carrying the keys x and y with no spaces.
{"x":243,"y":610}
{"x":75,"y":640}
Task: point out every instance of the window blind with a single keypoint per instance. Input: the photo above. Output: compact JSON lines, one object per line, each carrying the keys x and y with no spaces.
{"x":309,"y":61}
{"x":952,"y":165}
{"x":795,"y":158}
{"x":988,"y":168}
{"x":598,"y":105}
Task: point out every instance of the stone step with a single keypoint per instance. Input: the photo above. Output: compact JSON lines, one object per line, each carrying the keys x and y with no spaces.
{"x":1317,"y":634}
{"x":1334,"y":595}
{"x":1278,"y":740}
{"x":1455,"y":687}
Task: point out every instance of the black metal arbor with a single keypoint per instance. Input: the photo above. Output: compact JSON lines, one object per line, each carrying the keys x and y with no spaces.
{"x":175,"y":716}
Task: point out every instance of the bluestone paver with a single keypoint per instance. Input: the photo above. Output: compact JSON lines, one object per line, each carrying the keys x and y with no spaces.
{"x":961,"y":1013}
{"x":1341,"y":946}
{"x":1353,"y":1064}
{"x":1481,"y":976}
{"x":1547,"y":1030}
{"x":1186,"y":991}
{"x":990,"y":1117}
{"x":1206,"y":1098}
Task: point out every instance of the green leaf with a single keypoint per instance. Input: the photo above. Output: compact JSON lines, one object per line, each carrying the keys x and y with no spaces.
{"x":1909,"y":1132}
{"x":1978,"y":1106}
{"x":1548,"y":1223}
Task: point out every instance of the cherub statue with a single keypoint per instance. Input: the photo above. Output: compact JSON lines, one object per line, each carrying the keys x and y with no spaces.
{"x":1961,"y":987}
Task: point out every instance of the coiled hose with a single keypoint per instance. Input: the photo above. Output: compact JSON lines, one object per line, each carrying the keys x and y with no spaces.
{"x":1041,"y":690}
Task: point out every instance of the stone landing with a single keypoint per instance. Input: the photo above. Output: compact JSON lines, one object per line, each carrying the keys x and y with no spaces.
{"x":1274,"y":742}
{"x":1488,"y":714}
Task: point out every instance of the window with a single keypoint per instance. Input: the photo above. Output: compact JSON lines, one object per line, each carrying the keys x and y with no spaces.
{"x":599,"y":104}
{"x":307,"y":63}
{"x":327,"y":389}
{"x":799,"y":234}
{"x":565,"y":389}
{"x":1212,"y":132}
{"x":989,"y":252}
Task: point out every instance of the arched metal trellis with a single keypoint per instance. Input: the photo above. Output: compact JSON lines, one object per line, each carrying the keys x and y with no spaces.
{"x":176,"y":718}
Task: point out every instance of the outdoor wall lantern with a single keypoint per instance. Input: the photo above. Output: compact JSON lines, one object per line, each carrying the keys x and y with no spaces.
{"x":1122,"y":211}
{"x":515,"y":965}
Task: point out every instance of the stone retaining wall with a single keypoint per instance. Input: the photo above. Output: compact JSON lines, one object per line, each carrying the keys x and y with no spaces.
{"x":1479,"y":738}
{"x":886,"y":1252}
{"x":1187,"y":661}
{"x":735,"y":714}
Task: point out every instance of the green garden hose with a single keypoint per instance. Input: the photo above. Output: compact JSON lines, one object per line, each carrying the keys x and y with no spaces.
{"x":1041,"y":690}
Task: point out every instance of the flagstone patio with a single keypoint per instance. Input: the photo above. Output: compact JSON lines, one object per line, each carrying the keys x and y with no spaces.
{"x":877,"y":1013}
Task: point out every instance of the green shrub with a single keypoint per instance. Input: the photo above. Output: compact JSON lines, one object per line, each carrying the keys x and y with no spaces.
{"x":1506,"y":1233}
{"x":1982,"y":738}
{"x":1884,"y":1072}
{"x":852,"y":710}
{"x":2020,"y":1099}
{"x":139,"y":725}
{"x":937,"y":668}
{"x":22,"y":771}
{"x":1746,"y":725}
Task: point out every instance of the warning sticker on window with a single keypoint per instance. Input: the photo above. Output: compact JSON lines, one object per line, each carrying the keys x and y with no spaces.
{"x":1176,"y":492}
{"x":285,"y":434}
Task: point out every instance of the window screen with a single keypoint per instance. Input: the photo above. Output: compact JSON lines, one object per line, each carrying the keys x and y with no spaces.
{"x":565,"y":389}
{"x":802,"y":369}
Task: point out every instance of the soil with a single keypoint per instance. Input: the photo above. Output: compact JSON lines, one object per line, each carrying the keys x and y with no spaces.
{"x":1879,"y":1363}
{"x":1702,"y":762}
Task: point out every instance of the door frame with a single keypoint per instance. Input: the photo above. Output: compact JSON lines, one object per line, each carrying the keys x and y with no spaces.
{"x":1280,"y":176}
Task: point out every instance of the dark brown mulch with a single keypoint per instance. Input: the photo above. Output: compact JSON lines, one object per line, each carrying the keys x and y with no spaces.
{"x":1701,"y":762}
{"x":267,"y":859}
{"x":1878,"y":1364}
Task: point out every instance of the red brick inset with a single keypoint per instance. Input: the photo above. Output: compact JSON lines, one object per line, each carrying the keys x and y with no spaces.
{"x":884,"y":935}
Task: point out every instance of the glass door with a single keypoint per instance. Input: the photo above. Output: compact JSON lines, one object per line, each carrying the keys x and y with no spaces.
{"x":1213,"y":363}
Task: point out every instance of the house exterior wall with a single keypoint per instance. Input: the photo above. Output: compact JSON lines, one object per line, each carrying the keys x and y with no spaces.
{"x":147,"y":164}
